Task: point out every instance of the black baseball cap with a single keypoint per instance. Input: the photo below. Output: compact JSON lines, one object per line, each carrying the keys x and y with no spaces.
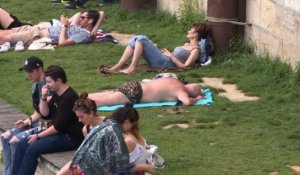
{"x":32,"y":63}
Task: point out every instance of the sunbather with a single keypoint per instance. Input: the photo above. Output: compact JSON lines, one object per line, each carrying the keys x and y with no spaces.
{"x":78,"y":29}
{"x":8,"y":21}
{"x":162,"y":89}
{"x":187,"y":55}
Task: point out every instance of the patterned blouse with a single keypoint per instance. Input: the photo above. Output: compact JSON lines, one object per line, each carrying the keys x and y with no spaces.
{"x":102,"y":152}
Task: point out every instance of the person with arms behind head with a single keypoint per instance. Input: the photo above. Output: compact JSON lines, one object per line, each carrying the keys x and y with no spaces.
{"x":80,"y":28}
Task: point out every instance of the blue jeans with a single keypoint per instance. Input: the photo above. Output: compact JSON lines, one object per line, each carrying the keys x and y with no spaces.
{"x":26,"y":155}
{"x":9,"y":148}
{"x":152,"y":55}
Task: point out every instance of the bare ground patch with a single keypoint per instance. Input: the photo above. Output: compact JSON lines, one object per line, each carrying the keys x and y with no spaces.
{"x":121,"y":37}
{"x":231,"y":91}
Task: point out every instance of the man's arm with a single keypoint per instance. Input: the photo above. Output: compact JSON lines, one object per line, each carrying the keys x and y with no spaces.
{"x":185,"y":99}
{"x":48,"y":132}
{"x":98,"y":24}
{"x":43,"y":105}
{"x":23,"y":123}
{"x":63,"y":40}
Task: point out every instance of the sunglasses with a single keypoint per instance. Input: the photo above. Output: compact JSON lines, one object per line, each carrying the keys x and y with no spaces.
{"x":78,"y":103}
{"x":83,"y":17}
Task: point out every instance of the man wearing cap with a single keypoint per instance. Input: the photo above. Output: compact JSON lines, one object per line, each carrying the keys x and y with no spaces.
{"x":66,"y":132}
{"x":35,"y":73}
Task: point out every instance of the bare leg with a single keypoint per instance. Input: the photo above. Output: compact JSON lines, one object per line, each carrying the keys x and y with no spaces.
{"x":108,"y":98}
{"x":5,"y":18}
{"x":138,"y":51}
{"x":296,"y":169}
{"x":125,"y":57}
{"x":14,"y":139}
{"x":64,"y":170}
{"x":5,"y":35}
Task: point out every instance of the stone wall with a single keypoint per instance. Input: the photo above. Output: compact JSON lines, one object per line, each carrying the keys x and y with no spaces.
{"x":173,"y":6}
{"x":275,"y":26}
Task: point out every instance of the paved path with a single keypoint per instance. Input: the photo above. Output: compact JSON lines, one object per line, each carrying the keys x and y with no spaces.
{"x":8,"y":115}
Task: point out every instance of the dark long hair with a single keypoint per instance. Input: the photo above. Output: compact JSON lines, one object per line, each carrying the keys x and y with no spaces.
{"x":128,"y":113}
{"x":92,"y":14}
{"x":201,"y":29}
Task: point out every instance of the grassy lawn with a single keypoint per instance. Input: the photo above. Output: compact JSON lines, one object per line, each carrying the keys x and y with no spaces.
{"x":261,"y":137}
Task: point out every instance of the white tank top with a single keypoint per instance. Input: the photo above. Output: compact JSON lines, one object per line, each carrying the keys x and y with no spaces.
{"x":139,"y":154}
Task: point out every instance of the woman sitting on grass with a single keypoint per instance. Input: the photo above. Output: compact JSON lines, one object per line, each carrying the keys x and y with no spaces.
{"x":104,"y":150}
{"x":183,"y":56}
{"x":86,"y":111}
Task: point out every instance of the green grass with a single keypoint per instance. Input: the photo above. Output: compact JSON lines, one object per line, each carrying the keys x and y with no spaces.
{"x":249,"y":138}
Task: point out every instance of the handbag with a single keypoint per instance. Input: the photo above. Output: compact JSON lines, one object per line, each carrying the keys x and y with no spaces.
{"x":153,"y":157}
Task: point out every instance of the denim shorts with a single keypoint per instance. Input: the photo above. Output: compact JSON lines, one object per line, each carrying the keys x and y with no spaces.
{"x":152,"y":55}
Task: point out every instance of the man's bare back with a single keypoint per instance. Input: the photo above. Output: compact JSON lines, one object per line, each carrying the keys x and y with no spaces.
{"x":162,"y":89}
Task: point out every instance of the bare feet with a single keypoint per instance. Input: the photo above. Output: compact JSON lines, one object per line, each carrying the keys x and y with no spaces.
{"x":128,"y":71}
{"x":105,"y":70}
{"x":296,"y":169}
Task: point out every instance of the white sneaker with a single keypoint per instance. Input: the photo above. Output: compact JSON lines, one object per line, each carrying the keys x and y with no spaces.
{"x":5,"y":47}
{"x":19,"y":46}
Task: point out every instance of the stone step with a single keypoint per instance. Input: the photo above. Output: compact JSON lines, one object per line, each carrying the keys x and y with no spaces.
{"x":49,"y":164}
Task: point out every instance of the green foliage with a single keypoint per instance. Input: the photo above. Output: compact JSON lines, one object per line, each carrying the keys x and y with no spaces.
{"x":258,"y":137}
{"x":190,"y":13}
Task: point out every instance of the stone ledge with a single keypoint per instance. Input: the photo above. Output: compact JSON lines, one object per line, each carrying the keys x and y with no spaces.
{"x":49,"y":164}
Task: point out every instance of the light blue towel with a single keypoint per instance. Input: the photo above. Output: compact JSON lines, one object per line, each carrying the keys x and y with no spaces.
{"x":207,"y":100}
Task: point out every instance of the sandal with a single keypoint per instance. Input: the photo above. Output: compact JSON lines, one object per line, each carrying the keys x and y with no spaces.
{"x":104,"y":70}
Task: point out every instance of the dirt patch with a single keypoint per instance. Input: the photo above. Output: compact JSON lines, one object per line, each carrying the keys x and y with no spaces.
{"x":193,"y":123}
{"x":121,"y":37}
{"x":180,"y":125}
{"x":231,"y":91}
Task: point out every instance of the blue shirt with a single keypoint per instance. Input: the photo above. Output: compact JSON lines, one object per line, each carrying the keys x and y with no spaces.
{"x":75,"y":32}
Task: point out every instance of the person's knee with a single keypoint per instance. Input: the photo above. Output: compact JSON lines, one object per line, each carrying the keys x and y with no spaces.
{"x":14,"y":139}
{"x":142,"y":39}
{"x":6,"y":134}
{"x":138,"y":38}
{"x":4,"y":37}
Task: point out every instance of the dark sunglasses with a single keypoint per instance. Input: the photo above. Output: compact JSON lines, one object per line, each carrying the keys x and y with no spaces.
{"x":77,"y":103}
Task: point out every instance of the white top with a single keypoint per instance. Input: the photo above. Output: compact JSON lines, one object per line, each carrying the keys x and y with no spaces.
{"x":138,"y":155}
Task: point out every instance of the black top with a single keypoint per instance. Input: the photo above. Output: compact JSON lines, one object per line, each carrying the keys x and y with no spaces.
{"x":63,"y":117}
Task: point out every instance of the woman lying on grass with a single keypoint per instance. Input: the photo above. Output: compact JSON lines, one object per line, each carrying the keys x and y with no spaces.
{"x":197,"y":50}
